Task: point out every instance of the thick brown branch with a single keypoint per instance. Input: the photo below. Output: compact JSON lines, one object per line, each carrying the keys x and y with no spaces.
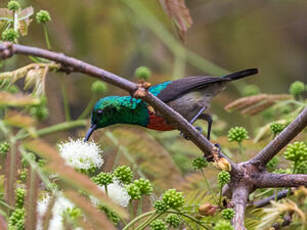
{"x":293,"y":129}
{"x":271,"y":180}
{"x":239,"y":200}
{"x":73,"y":64}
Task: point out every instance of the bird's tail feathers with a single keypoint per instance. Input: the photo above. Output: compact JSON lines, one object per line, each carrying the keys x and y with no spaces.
{"x":241,"y":74}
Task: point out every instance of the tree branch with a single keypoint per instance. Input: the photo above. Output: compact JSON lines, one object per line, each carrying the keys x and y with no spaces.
{"x":293,"y":129}
{"x":74,"y":65}
{"x":263,"y":202}
{"x":271,"y":180}
{"x":245,"y":177}
{"x":239,"y":199}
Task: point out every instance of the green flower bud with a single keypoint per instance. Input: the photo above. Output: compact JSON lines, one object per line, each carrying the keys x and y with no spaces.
{"x":296,"y":152}
{"x":134,"y":191}
{"x":13,"y":5}
{"x":23,"y":175}
{"x":20,"y":197}
{"x":223,"y":225}
{"x":123,"y":174}
{"x":24,"y":162}
{"x":43,"y":16}
{"x":173,"y":199}
{"x":173,"y":220}
{"x":301,"y":167}
{"x":41,"y":162}
{"x":297,"y":88}
{"x":160,"y":206}
{"x":271,"y":165}
{"x":200,"y":163}
{"x":16,"y":220}
{"x":223,"y":178}
{"x":158,"y":225}
{"x":90,"y":171}
{"x":277,"y":127}
{"x":142,"y":72}
{"x":228,"y":213}
{"x":250,"y":90}
{"x":4,"y":148}
{"x":39,"y":112}
{"x":72,"y":213}
{"x":13,"y":89}
{"x":103,"y":178}
{"x":144,"y":186}
{"x":99,"y":87}
{"x":237,"y":134}
{"x":10,"y":35}
{"x":110,"y":214}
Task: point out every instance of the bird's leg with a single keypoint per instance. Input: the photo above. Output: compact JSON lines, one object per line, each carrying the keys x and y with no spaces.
{"x":194,"y":119}
{"x":209,"y":119}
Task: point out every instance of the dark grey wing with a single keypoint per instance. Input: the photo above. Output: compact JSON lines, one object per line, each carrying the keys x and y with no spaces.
{"x":182,"y":86}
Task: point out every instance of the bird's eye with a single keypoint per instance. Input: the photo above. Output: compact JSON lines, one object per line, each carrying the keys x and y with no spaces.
{"x":99,"y":112}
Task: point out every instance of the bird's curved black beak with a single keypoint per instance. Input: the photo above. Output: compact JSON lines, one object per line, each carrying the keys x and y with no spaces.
{"x":89,"y":132}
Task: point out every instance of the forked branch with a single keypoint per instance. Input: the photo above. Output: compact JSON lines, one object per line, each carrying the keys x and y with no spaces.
{"x":291,"y":131}
{"x":246,"y":176}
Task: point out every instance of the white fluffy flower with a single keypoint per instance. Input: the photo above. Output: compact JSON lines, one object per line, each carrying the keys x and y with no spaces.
{"x":81,"y":155}
{"x":60,"y":206}
{"x":117,"y":193}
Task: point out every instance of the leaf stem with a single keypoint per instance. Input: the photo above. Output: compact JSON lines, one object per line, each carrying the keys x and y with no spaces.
{"x":88,"y":108}
{"x":149,"y":220}
{"x":55,"y":128}
{"x":46,"y":36}
{"x":188,"y":216}
{"x":138,"y":218}
{"x":65,"y":101}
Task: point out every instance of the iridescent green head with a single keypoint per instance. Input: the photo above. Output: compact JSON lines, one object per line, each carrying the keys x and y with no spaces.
{"x":114,"y":109}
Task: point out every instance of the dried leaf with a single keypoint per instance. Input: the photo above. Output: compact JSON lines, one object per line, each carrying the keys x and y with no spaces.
{"x":3,"y":224}
{"x":98,"y":219}
{"x":48,"y":214}
{"x":69,"y":176}
{"x":253,"y":105}
{"x":34,"y":74}
{"x":25,"y":20}
{"x":26,"y":13}
{"x":16,"y":119}
{"x":17,"y":100}
{"x":12,"y":165}
{"x":177,"y":10}
{"x":23,"y":26}
{"x":31,"y":200}
{"x":277,"y":209}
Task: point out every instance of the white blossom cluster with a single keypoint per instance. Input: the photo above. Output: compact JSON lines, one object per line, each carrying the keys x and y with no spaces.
{"x":60,"y":206}
{"x":81,"y":155}
{"x":116,"y":192}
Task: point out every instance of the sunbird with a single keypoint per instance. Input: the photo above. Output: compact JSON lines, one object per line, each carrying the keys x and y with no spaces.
{"x":189,"y":96}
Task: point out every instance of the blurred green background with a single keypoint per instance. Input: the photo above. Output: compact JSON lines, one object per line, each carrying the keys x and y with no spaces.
{"x":114,"y":35}
{"x":121,"y":35}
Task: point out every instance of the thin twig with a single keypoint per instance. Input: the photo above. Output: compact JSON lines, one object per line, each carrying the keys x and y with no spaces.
{"x":72,"y":64}
{"x":292,"y":130}
{"x":263,"y":202}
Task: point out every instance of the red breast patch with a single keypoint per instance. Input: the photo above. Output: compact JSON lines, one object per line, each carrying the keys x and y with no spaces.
{"x":158,"y":123}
